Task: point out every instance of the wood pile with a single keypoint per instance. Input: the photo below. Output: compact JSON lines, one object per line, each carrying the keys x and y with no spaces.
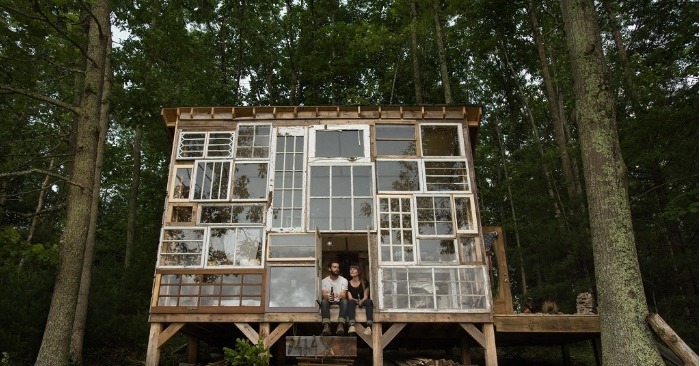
{"x":585,"y":303}
{"x":419,"y":361}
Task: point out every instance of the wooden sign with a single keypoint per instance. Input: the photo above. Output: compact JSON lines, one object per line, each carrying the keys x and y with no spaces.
{"x":321,"y":346}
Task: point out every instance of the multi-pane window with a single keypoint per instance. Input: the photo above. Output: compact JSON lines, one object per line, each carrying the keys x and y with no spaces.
{"x":441,"y":140}
{"x":398,"y":175}
{"x":439,"y":288}
{"x":195,"y":290}
{"x":253,"y":141}
{"x":212,"y":145}
{"x":235,"y":246}
{"x":182,"y":181}
{"x":441,"y":251}
{"x":287,"y":199}
{"x":340,"y":197}
{"x":249,"y":181}
{"x":232,"y":214}
{"x":212,"y":180}
{"x":395,"y":140}
{"x":470,"y":250}
{"x":181,"y":247}
{"x":434,"y":216}
{"x":395,"y":230}
{"x":450,"y":175}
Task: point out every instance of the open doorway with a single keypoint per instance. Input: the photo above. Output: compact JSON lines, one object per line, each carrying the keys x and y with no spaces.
{"x":348,"y":249}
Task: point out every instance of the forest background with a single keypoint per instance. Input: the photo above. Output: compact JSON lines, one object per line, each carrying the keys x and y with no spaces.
{"x":509,"y":56}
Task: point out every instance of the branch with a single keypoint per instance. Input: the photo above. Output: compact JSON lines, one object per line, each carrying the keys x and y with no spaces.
{"x":64,"y":34}
{"x":41,"y":97}
{"x":40,"y":171}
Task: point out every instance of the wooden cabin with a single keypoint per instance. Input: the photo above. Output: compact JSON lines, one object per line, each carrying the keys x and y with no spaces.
{"x":260,"y":199}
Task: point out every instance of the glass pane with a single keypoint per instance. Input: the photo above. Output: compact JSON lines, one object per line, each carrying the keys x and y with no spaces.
{"x":440,"y":140}
{"x":403,"y":132}
{"x":319,"y":215}
{"x":446,"y":176}
{"x":250,"y":181}
{"x":247,"y":214}
{"x":221,"y":247}
{"x":215,"y":214}
{"x":320,"y":181}
{"x":342,"y":214}
{"x":191,"y":145}
{"x":341,"y":181}
{"x":433,"y":250}
{"x":396,"y":148}
{"x":292,"y":287}
{"x":363,"y":214}
{"x":463,"y":207}
{"x":181,"y":214}
{"x":182,"y":183}
{"x":362,"y":181}
{"x":220,"y":144}
{"x":397,"y":176}
{"x":249,"y":247}
{"x":339,"y":144}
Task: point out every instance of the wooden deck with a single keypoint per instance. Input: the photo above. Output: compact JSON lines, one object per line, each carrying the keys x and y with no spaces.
{"x":544,"y":329}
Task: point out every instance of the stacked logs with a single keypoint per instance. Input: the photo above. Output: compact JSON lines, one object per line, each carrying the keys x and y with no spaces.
{"x":585,"y":303}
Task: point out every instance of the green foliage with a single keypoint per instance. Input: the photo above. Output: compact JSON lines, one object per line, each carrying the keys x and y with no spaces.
{"x":247,"y":354}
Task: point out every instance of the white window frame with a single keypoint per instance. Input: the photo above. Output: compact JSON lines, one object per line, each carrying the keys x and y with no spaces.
{"x":421,"y":177}
{"x":205,"y":254}
{"x":173,"y":183}
{"x":233,"y":175}
{"x":205,"y":148}
{"x":425,"y":175}
{"x":424,"y":262}
{"x":290,"y":259}
{"x":372,"y":195}
{"x":364,"y":129}
{"x":191,"y":228}
{"x":201,"y":208}
{"x":269,"y":141}
{"x":416,"y":140}
{"x":378,"y":213}
{"x":288,"y":132}
{"x":196,"y":176}
{"x":460,"y":135}
{"x":452,"y":213}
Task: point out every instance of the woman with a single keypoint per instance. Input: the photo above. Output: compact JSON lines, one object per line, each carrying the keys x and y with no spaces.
{"x":358,"y":295}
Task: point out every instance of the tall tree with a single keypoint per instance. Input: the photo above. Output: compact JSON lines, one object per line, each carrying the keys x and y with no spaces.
{"x":133,"y":197}
{"x":625,"y":336}
{"x":444,"y":74}
{"x":55,"y":345}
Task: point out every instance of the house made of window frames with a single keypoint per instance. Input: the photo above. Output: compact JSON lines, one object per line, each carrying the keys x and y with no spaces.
{"x":260,"y":199}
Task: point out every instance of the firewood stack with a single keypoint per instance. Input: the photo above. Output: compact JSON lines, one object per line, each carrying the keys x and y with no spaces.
{"x":585,"y":303}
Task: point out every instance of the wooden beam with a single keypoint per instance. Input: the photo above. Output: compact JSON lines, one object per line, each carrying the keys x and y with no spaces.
{"x":361,"y":334}
{"x":315,"y":317}
{"x":276,"y":334}
{"x":546,"y":323}
{"x":249,"y":332}
{"x":464,"y":347}
{"x":490,"y":349}
{"x":475,"y":333}
{"x":193,"y":350}
{"x":672,"y":340}
{"x":170,"y":331}
{"x":153,"y":350}
{"x":377,"y":348}
{"x":391,"y":333}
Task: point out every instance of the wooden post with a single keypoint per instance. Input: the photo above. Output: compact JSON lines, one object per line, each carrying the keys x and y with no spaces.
{"x":377,"y":348}
{"x":193,"y":350}
{"x":153,"y":351}
{"x":672,"y":340}
{"x":490,"y":349}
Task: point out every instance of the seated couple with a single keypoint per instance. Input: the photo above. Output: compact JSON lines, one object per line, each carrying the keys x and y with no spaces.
{"x":335,"y":289}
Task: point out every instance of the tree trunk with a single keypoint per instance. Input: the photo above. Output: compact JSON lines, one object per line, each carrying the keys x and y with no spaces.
{"x":414,"y":53}
{"x":81,"y":309}
{"x":55,"y":344}
{"x":625,"y":337}
{"x":133,"y":195}
{"x":441,"y":53}
{"x":553,"y":99}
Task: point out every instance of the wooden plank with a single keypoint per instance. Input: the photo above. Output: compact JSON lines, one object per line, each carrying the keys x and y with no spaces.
{"x":153,"y":350}
{"x":321,"y":346}
{"x":360,"y":329}
{"x":464,"y":348}
{"x":249,"y":332}
{"x":277,"y":333}
{"x":315,"y":317}
{"x":377,"y":348}
{"x":545,"y":323}
{"x":475,"y":333}
{"x":170,"y":331}
{"x":391,"y":333}
{"x":672,"y":340}
{"x":192,"y":350}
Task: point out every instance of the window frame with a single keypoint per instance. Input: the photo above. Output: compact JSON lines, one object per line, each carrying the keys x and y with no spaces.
{"x":170,"y":211}
{"x":237,"y":228}
{"x":419,"y":167}
{"x":460,"y":142}
{"x":425,"y":176}
{"x":205,"y":154}
{"x":418,"y":234}
{"x":252,"y":157}
{"x":162,"y":239}
{"x":285,"y":132}
{"x":473,"y":218}
{"x":412,"y":212}
{"x":312,"y":158}
{"x":424,"y":262}
{"x":290,"y":259}
{"x":228,"y":180}
{"x":372,"y":196}
{"x":290,"y":309}
{"x":232,"y":181}
{"x":173,"y":183}
{"x":231,"y":205}
{"x":377,"y":140}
